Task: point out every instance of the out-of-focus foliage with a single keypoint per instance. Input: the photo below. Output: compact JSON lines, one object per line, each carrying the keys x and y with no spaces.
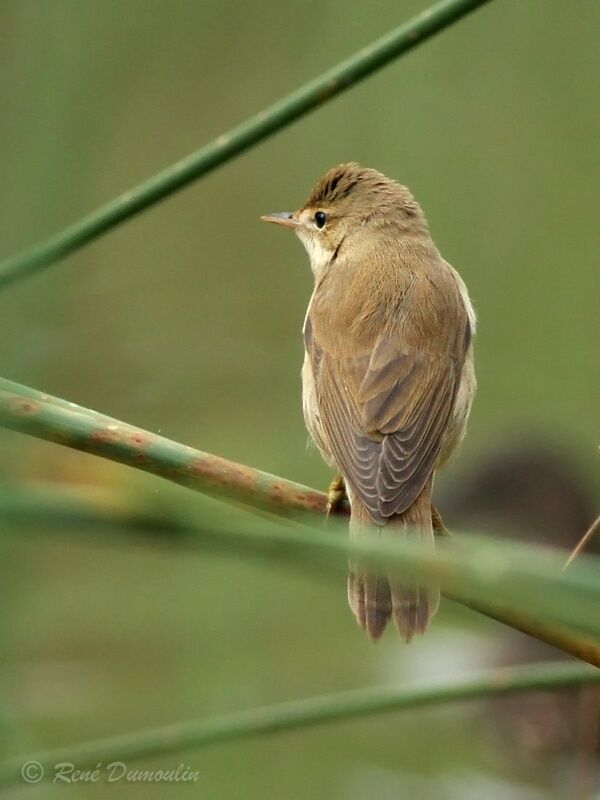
{"x":187,"y":321}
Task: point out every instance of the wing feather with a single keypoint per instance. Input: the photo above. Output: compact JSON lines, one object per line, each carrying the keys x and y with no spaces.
{"x":385,"y":416}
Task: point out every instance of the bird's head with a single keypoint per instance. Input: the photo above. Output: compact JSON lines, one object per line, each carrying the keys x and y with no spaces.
{"x":348,"y":202}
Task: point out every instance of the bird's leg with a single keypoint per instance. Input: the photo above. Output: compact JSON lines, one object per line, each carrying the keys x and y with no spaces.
{"x":439,"y":529}
{"x":336,"y":494}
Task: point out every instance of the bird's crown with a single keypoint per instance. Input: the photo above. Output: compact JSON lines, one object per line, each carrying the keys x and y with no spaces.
{"x":352,"y":184}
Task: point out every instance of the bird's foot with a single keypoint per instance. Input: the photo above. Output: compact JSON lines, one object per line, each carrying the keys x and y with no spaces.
{"x":439,"y":529}
{"x":336,"y":495}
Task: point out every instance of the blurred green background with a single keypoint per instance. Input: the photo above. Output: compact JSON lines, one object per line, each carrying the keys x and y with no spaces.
{"x":187,"y":321}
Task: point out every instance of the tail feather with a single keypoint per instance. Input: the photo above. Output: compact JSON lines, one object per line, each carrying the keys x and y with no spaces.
{"x":374,"y":599}
{"x":356,"y":599}
{"x":378,"y":604}
{"x":413,"y":608}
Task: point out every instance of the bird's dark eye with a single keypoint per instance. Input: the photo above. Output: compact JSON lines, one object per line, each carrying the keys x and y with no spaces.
{"x":320,"y":219}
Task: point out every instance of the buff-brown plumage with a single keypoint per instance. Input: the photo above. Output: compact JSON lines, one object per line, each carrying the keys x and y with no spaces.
{"x":388,"y":378}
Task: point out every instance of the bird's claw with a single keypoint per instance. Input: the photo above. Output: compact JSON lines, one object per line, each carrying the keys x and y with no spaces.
{"x":437,"y":523}
{"x":336,"y":494}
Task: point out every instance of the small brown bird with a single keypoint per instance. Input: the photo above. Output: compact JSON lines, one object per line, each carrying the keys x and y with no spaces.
{"x":388,"y":377}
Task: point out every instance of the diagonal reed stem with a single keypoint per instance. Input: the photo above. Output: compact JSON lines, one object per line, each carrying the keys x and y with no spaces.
{"x":59,"y":421}
{"x":299,"y":714}
{"x":461,"y":571}
{"x":236,"y":141}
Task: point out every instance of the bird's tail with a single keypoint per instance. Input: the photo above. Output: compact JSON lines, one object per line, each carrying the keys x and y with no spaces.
{"x":374,"y":599}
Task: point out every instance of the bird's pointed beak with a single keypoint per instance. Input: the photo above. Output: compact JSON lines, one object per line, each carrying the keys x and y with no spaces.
{"x":285,"y":218}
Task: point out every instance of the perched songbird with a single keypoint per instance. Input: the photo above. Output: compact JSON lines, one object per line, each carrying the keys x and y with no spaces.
{"x":388,"y":377}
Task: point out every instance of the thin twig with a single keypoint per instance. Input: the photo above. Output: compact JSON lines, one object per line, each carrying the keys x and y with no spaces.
{"x":299,"y":714}
{"x":583,"y":542}
{"x":305,"y":99}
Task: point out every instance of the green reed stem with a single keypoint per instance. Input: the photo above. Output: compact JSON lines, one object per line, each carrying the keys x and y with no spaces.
{"x":299,"y":714}
{"x":236,"y":141}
